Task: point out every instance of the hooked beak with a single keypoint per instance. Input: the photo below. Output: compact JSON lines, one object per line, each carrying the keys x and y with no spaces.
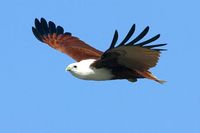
{"x":68,"y":69}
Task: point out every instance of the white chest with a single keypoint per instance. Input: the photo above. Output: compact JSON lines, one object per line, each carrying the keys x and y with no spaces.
{"x":84,"y":71}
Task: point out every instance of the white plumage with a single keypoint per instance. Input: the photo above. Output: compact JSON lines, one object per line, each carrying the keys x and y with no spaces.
{"x":83,"y":70}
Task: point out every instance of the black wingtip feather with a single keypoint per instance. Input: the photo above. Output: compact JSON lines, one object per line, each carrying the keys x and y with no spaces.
{"x":114,"y":41}
{"x":148,"y":41}
{"x":42,"y":28}
{"x":52,"y":27}
{"x":68,"y":33}
{"x":128,"y":36}
{"x":38,"y":26}
{"x":37,"y":34}
{"x":156,"y":45}
{"x":59,"y":30}
{"x":138,"y":38}
{"x":159,"y":49}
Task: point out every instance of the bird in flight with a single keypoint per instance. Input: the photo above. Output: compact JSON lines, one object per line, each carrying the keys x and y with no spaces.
{"x":130,"y":59}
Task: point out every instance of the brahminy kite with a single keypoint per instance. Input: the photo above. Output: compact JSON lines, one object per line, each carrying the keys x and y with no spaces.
{"x":129,"y":60}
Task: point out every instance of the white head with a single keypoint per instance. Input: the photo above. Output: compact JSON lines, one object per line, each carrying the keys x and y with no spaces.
{"x":81,"y":69}
{"x":72,"y":67}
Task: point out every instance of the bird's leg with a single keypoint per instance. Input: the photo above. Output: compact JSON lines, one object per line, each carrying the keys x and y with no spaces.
{"x":132,"y":80}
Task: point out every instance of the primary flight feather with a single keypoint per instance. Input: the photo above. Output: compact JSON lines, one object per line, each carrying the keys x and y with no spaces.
{"x":128,"y":60}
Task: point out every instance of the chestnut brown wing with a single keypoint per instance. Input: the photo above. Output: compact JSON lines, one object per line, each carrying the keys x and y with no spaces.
{"x":55,"y":37}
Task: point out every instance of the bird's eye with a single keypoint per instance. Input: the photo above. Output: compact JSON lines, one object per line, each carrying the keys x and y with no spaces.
{"x":75,"y":66}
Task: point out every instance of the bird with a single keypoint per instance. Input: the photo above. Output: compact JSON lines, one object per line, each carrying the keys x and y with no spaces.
{"x":130,"y":59}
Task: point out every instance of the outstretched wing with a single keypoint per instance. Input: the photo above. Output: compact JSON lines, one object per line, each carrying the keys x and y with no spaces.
{"x":132,"y":55}
{"x":55,"y":37}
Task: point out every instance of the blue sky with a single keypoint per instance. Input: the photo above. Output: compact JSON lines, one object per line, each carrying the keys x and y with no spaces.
{"x":38,"y":96}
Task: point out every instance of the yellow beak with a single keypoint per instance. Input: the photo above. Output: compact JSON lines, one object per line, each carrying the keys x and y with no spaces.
{"x":68,"y":69}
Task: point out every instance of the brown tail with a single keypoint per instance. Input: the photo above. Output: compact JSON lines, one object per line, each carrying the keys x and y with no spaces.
{"x":149,"y":75}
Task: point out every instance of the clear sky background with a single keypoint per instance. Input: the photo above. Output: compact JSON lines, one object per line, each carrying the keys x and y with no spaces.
{"x":38,"y":96}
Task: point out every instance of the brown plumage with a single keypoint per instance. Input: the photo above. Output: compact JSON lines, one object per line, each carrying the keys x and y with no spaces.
{"x":129,"y":60}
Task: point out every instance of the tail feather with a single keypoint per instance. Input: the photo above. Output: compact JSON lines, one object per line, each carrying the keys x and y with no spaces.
{"x":149,"y":75}
{"x":160,"y":81}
